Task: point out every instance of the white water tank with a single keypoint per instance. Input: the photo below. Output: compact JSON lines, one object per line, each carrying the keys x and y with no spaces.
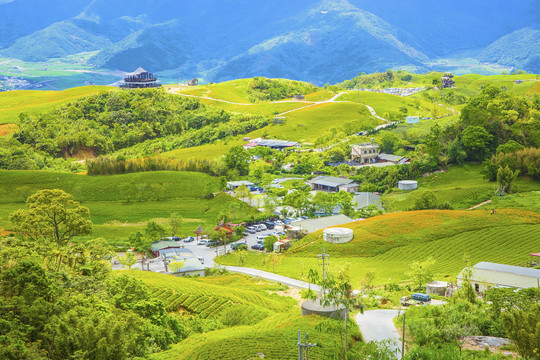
{"x":338,"y":235}
{"x":407,"y":184}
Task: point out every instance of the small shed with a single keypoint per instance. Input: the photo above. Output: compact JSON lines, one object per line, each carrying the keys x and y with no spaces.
{"x":436,"y":288}
{"x":157,"y":247}
{"x":281,"y":245}
{"x":233,"y":185}
{"x":412,"y":119}
{"x":407,"y":185}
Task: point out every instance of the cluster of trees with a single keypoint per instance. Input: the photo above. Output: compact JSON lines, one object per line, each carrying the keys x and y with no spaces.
{"x":105,"y":165}
{"x":17,"y":156}
{"x":490,"y":119}
{"x":508,"y":313}
{"x":526,"y":161}
{"x":58,"y":297}
{"x":116,"y":120}
{"x":263,"y":89}
{"x":386,"y":79}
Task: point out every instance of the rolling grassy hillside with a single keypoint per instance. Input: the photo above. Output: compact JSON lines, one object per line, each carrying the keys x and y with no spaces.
{"x":382,"y":103}
{"x":461,"y":186}
{"x":12,"y":103}
{"x":122,"y":204}
{"x":250,"y":310}
{"x":387,"y":245}
{"x":306,"y":125}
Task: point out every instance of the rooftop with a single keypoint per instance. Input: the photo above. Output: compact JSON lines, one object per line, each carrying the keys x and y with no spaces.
{"x":516,"y":270}
{"x":390,"y":157}
{"x":313,"y":225}
{"x":330,"y":181}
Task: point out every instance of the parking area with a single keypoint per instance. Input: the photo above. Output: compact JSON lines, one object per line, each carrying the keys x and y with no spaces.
{"x":208,"y":254}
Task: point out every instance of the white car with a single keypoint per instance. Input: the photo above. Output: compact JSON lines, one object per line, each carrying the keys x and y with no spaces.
{"x":202,"y":242}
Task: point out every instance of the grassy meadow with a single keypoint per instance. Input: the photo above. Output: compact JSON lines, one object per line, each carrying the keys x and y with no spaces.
{"x":122,"y":204}
{"x":382,"y":103}
{"x":306,"y":125}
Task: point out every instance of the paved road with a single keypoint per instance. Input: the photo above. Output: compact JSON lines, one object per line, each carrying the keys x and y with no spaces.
{"x":377,"y":325}
{"x":273,"y":277}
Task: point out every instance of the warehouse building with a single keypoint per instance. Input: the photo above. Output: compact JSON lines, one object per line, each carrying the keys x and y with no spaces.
{"x":486,"y":275}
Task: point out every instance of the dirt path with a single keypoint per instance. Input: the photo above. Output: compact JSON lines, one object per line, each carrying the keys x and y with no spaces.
{"x":478,"y":205}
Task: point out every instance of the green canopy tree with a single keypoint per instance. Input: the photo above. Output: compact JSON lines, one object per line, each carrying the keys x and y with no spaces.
{"x":54,"y":215}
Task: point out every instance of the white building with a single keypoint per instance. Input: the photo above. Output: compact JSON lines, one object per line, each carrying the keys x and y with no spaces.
{"x":486,"y":275}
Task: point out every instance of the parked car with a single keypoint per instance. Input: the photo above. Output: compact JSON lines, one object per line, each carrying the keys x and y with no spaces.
{"x":260,"y":241}
{"x":251,"y":230}
{"x":258,"y":247}
{"x":261,"y":227}
{"x":212,"y":243}
{"x":278,"y":223}
{"x":189,"y":239}
{"x":238,"y":245}
{"x":304,"y":217}
{"x":269,"y":225}
{"x":262,"y":237}
{"x":246,"y":233}
{"x":279,"y":233}
{"x":202,"y":242}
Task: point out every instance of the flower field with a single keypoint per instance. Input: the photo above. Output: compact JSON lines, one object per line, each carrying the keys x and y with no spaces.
{"x":378,"y":235}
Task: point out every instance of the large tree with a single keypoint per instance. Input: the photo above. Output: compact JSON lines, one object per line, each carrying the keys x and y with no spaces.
{"x":54,"y":215}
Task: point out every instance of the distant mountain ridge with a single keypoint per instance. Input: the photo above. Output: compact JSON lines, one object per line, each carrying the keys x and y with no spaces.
{"x":326,"y":40}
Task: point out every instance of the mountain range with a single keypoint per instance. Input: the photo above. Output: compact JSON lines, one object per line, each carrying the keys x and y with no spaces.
{"x":318,"y":41}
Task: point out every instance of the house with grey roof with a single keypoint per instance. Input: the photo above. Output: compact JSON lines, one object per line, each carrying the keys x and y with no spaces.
{"x":312,"y":225}
{"x":364,"y":199}
{"x":190,"y":264}
{"x":233,"y":185}
{"x":486,"y":275}
{"x":332,"y":184}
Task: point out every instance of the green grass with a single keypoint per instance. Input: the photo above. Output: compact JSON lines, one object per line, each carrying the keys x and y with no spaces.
{"x":382,"y":103}
{"x":12,"y":103}
{"x":388,"y":244}
{"x":306,"y":125}
{"x":461,"y":186}
{"x":206,"y":152}
{"x":122,"y":204}
{"x":266,"y":108}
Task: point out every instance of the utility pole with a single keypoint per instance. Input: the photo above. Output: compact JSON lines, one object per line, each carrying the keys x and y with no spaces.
{"x":323,"y":260}
{"x":302,"y":346}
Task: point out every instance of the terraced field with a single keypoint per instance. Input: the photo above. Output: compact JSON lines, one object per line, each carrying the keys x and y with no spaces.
{"x":120,"y":205}
{"x":267,"y":315}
